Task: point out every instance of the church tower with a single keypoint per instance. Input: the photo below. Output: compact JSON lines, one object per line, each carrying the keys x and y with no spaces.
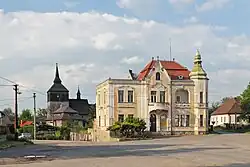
{"x":200,"y":103}
{"x":57,"y":94}
{"x":78,"y":94}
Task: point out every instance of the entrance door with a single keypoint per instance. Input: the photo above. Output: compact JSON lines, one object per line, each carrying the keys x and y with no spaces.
{"x":152,"y":123}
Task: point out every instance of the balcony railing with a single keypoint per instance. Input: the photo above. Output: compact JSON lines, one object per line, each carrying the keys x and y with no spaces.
{"x":182,"y":104}
{"x":158,"y":106}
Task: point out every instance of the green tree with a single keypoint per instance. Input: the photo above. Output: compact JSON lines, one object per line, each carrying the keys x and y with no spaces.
{"x":131,"y":127}
{"x":26,"y":115}
{"x":41,"y":112}
{"x":245,"y":104}
{"x":92,"y":115}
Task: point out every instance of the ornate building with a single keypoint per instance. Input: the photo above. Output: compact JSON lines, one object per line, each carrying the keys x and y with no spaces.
{"x":169,"y":97}
{"x":61,"y":108}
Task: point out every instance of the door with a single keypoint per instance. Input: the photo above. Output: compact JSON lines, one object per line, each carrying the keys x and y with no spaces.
{"x":152,"y":123}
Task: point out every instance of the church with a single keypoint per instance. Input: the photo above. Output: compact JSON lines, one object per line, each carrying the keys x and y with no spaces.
{"x":62,"y":109}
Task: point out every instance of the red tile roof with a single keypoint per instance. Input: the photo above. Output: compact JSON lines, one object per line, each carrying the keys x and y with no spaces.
{"x":230,"y":106}
{"x":25,"y":123}
{"x":173,"y":69}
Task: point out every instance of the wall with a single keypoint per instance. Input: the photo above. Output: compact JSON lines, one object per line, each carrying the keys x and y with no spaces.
{"x":220,"y":120}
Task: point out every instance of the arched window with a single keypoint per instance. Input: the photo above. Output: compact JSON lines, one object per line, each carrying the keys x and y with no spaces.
{"x":158,"y":76}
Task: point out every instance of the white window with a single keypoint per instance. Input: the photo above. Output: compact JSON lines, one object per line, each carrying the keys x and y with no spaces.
{"x":153,"y":96}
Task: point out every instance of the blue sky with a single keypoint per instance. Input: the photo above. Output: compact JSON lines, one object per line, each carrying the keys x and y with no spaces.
{"x":84,"y":36}
{"x":231,"y":15}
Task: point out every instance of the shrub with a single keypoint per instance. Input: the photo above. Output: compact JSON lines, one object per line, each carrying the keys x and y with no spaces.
{"x":130,"y":128}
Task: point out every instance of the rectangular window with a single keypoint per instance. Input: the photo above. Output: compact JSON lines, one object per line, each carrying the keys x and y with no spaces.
{"x":104,"y":120}
{"x":221,"y":119}
{"x":120,"y":96}
{"x":178,"y":99}
{"x":162,"y":96}
{"x":99,"y":99}
{"x":130,"y":96}
{"x":182,"y":120}
{"x":187,"y":120}
{"x":153,"y":96}
{"x":120,"y":117}
{"x":201,"y":97}
{"x":201,"y":120}
{"x":104,"y":98}
{"x":177,"y":120}
{"x":99,"y":120}
{"x":130,"y":116}
{"x":224,"y":119}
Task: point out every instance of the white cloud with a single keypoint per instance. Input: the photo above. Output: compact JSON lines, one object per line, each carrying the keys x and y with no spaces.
{"x":192,"y":19}
{"x":181,"y":1}
{"x":91,"y":47}
{"x":212,"y":4}
{"x":132,"y":60}
{"x":102,"y":41}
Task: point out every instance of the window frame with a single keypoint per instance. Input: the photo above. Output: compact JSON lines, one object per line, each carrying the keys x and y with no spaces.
{"x":130,"y":96}
{"x":120,"y":97}
{"x":153,"y":97}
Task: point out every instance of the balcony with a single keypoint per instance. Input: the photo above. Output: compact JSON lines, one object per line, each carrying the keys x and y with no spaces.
{"x":126,"y":105}
{"x":158,"y":106}
{"x":182,"y":105}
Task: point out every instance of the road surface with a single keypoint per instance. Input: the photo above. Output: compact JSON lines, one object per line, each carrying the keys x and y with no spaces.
{"x":226,"y":150}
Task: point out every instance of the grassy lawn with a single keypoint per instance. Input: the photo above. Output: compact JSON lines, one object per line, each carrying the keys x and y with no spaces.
{"x":10,"y":144}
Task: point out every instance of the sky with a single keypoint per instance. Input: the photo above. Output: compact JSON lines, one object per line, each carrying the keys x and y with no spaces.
{"x":93,"y":40}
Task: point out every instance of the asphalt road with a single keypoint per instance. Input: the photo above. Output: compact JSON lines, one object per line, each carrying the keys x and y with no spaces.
{"x":226,"y":150}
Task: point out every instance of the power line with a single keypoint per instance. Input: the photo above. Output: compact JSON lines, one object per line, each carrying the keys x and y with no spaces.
{"x":10,"y":104}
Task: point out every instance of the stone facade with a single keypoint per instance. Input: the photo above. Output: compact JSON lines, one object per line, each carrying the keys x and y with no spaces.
{"x":169,"y":97}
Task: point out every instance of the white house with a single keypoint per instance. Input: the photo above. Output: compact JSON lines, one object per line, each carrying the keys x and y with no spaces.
{"x":226,"y":113}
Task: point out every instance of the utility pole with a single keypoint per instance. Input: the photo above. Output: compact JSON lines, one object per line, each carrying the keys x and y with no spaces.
{"x":16,"y":111}
{"x":34,"y":123}
{"x":171,"y":108}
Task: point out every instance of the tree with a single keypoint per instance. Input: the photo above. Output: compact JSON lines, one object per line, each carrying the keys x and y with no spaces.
{"x":41,"y":112}
{"x":10,"y":113}
{"x":245,"y":104}
{"x":92,"y":115}
{"x":131,"y":127}
{"x":26,"y":115}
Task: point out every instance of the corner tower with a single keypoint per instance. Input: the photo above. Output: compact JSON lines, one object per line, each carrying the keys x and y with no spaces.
{"x":57,"y":93}
{"x":200,"y":102}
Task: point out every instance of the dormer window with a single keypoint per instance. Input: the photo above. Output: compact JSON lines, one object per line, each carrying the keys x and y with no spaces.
{"x":158,"y":76}
{"x":180,"y":77}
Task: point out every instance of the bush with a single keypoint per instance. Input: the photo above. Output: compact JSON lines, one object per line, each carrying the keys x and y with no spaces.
{"x":130,"y":128}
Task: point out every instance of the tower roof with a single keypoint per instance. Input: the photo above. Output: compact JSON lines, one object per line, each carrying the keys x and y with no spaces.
{"x":57,"y":85}
{"x":198,"y":69}
{"x":78,"y":94}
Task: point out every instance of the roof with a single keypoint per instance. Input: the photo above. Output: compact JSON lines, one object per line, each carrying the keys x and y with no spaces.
{"x":80,"y":105}
{"x":65,"y":109}
{"x":25,"y":123}
{"x":230,"y":106}
{"x":57,"y":85}
{"x":173,"y":69}
{"x":57,"y":88}
{"x":4,"y":119}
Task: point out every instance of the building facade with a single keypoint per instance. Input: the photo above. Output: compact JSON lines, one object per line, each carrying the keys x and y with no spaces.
{"x":227,"y":113}
{"x":169,"y":97}
{"x":60,"y":108}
